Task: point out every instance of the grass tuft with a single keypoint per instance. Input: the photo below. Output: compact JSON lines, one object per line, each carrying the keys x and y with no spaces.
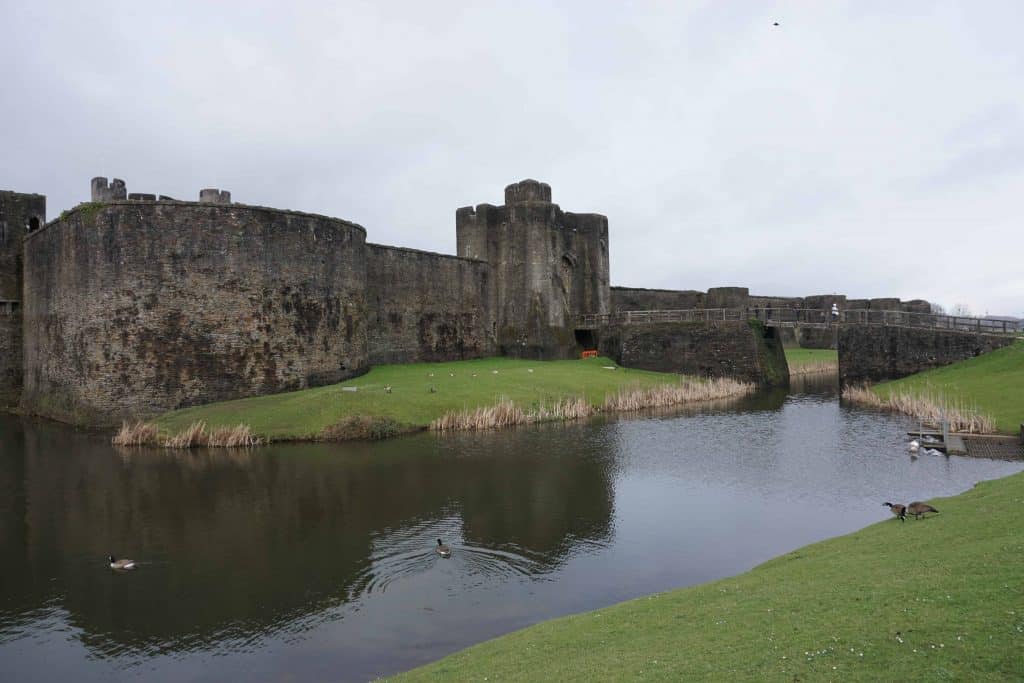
{"x":363,"y":427}
{"x":137,"y":434}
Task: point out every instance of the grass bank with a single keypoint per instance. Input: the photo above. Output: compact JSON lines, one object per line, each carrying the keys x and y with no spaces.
{"x":936,"y":599}
{"x":812,"y":361}
{"x":992,"y":383}
{"x":419,"y":394}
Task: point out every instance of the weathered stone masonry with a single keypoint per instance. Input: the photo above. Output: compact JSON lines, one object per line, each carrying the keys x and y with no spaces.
{"x":739,"y":349}
{"x":137,"y":303}
{"x":136,"y":307}
{"x":548,"y":267}
{"x":871,"y":353}
{"x":426,"y":307}
{"x":19,"y":214}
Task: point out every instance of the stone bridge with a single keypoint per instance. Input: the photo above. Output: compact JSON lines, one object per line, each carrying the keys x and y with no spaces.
{"x":873,"y":345}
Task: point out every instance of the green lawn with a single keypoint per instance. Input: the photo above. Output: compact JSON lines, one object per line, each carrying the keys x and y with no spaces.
{"x":931,"y":600}
{"x":797,"y":357}
{"x":993,"y":382}
{"x":302,"y":414}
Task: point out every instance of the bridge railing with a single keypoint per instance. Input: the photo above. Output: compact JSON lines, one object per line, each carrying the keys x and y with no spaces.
{"x":801,"y":316}
{"x":688,"y":315}
{"x":933,"y":320}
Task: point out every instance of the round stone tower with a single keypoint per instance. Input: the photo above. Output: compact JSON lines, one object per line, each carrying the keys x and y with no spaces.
{"x":133,"y":308}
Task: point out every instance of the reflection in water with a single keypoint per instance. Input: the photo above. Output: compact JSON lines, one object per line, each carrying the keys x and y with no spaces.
{"x":318,"y":560}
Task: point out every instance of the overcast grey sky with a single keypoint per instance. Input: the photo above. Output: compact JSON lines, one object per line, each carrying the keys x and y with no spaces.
{"x":868,"y":148}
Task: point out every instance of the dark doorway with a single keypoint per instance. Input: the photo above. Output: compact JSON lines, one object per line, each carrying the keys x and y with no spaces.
{"x":586,"y":339}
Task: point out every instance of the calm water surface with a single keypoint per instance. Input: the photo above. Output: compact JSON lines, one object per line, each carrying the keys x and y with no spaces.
{"x":315,"y":562}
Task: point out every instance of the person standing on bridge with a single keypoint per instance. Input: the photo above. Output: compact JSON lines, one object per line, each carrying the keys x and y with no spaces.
{"x":835,"y":312}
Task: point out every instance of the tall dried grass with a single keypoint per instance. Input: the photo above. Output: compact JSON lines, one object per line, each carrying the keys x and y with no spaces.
{"x":930,"y":408}
{"x":138,"y":434}
{"x":687,"y":391}
{"x":507,"y":413}
{"x":818,"y":367}
{"x":194,"y":436}
{"x":239,"y":436}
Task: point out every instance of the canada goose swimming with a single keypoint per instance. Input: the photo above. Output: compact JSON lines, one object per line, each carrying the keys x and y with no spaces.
{"x":917,"y":508}
{"x":898,"y":510}
{"x":121,"y":564}
{"x":443,"y":550}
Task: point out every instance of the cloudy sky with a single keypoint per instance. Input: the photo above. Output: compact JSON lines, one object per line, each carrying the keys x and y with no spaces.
{"x":868,"y":148}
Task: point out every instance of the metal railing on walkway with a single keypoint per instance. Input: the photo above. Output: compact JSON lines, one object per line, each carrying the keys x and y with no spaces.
{"x":801,"y":317}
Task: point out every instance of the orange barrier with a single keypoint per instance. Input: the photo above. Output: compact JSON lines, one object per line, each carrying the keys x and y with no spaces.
{"x":589,"y":354}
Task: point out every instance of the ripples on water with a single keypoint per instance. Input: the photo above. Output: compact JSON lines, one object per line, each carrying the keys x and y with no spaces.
{"x":318,"y":561}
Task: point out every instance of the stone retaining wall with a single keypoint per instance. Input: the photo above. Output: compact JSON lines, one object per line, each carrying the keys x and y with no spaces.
{"x":872,"y":353}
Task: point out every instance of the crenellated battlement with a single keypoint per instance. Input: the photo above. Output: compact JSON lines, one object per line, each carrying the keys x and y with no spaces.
{"x":117,"y":190}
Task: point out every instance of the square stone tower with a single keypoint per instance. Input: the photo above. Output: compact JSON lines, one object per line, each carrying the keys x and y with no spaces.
{"x":19,"y":215}
{"x":548,"y":266}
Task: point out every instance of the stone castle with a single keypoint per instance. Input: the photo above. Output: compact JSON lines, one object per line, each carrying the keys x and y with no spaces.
{"x":134,"y":304}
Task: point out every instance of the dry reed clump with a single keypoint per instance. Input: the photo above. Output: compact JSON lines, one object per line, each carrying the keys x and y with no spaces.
{"x":138,"y":434}
{"x":195,"y":436}
{"x":687,"y":391}
{"x":928,"y":407}
{"x":239,"y":436}
{"x":506,"y":413}
{"x":818,"y":367}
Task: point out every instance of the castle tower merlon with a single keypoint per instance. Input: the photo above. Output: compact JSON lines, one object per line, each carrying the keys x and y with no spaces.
{"x":212,"y":195}
{"x":100,"y":191}
{"x":527,"y":191}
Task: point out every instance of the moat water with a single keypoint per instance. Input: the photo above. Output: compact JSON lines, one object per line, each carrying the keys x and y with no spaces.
{"x":316,"y":562}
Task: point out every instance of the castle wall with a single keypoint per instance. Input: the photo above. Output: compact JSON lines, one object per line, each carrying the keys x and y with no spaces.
{"x":872,"y":353}
{"x":18,"y":214}
{"x":638,"y":299}
{"x":134,"y":308}
{"x":743,"y":350}
{"x":10,"y":354}
{"x":425,"y":307}
{"x":548,"y":266}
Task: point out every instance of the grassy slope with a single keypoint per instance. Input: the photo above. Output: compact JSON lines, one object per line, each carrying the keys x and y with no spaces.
{"x":304,"y":413}
{"x":797,"y":357}
{"x":994,"y":382}
{"x":951,"y":585}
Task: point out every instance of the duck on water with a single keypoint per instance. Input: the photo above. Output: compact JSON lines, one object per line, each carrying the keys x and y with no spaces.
{"x":121,"y":565}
